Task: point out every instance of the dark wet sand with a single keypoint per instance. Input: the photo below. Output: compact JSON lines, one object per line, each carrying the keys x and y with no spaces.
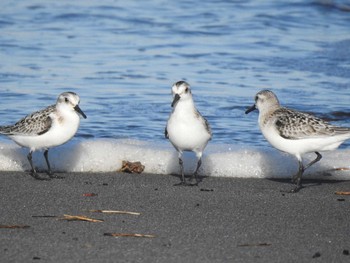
{"x":222,"y":220}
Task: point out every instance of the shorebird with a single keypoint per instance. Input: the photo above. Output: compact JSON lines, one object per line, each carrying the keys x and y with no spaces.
{"x":47,"y":128}
{"x":186,"y":128}
{"x":296,"y":132}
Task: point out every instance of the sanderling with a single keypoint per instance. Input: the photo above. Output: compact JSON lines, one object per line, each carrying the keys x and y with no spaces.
{"x":47,"y":128}
{"x":296,"y":132}
{"x":186,"y":128}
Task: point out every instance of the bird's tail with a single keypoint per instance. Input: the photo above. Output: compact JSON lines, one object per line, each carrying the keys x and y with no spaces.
{"x":6,"y":130}
{"x":342,"y":130}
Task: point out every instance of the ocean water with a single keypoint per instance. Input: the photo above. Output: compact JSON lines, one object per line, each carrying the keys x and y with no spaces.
{"x":122,"y":58}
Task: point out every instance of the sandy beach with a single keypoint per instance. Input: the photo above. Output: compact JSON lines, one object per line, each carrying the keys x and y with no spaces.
{"x":221,"y":220}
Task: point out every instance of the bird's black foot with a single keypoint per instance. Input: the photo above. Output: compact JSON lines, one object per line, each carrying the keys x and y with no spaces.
{"x":36,"y":176}
{"x":294,"y":190}
{"x":54,"y":176}
{"x":193,"y":184}
{"x":184,"y":183}
{"x":195,"y":177}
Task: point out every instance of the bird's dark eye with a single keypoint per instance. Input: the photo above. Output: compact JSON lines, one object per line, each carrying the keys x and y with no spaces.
{"x":186,"y":90}
{"x":66,"y":100}
{"x":256,"y":98}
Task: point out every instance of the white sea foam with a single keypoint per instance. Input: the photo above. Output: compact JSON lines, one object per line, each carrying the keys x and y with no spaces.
{"x":106,"y":155}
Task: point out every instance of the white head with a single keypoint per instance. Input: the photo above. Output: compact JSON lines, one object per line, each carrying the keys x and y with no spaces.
{"x":265,"y":100}
{"x":181,"y":91}
{"x":70,"y":101}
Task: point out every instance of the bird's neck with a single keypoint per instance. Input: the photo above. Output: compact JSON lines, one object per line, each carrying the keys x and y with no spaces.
{"x":184,"y":106}
{"x":265,"y":113}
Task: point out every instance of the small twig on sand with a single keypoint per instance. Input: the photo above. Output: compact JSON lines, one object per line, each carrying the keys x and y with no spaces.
{"x":14,"y":226}
{"x":128,"y":235}
{"x":255,"y":245}
{"x":80,"y":218}
{"x":44,"y":216}
{"x":342,"y":193}
{"x":115,"y":212}
{"x":342,"y":169}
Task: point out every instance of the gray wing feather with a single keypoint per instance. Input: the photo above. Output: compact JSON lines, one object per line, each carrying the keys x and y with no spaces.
{"x":36,"y":123}
{"x":207,"y":127}
{"x":205,"y":123}
{"x":297,"y":125}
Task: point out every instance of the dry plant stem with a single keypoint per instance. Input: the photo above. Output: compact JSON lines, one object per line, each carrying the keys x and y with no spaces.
{"x":342,"y":169}
{"x":255,"y":245}
{"x":342,"y":193}
{"x":80,"y":218}
{"x":14,"y":226}
{"x":115,"y":212}
{"x":128,"y":235}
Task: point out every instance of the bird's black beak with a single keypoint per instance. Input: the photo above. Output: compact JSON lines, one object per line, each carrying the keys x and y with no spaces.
{"x":252,"y":108}
{"x":77,"y":109}
{"x":176,"y":99}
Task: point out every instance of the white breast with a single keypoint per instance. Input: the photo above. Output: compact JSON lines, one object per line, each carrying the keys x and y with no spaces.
{"x":186,"y":130}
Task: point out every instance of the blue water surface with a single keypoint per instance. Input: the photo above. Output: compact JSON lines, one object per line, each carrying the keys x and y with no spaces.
{"x":122,"y":58}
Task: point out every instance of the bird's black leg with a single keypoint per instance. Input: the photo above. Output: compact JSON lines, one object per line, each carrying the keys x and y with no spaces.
{"x":46,"y":155}
{"x":196,"y":171}
{"x":183,"y":181}
{"x":49,"y":171}
{"x":29,"y":156}
{"x":33,"y":171}
{"x":319,"y":157}
{"x":297,"y":178}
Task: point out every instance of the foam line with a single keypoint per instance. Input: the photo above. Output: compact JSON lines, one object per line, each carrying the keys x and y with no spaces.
{"x":106,"y":155}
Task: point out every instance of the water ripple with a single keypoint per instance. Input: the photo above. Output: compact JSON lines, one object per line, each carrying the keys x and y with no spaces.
{"x":123,"y":57}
